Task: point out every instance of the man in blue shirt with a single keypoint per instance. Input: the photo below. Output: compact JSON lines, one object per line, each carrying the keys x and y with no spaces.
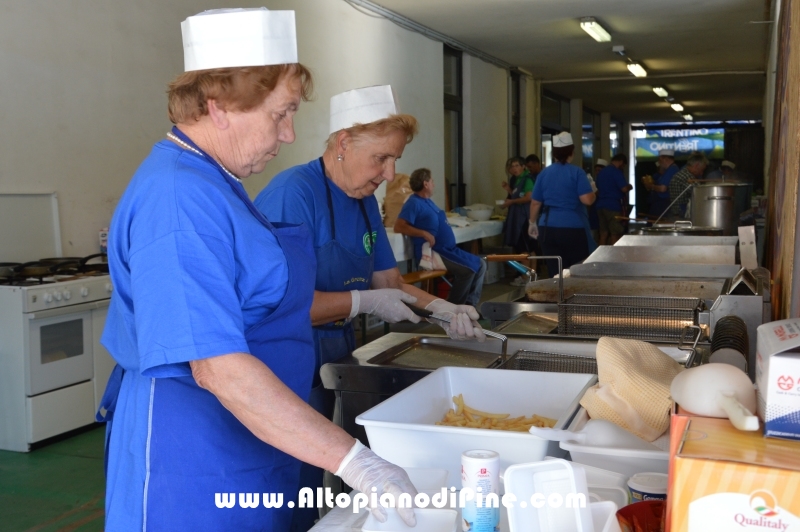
{"x":659,"y":189}
{"x":611,"y":189}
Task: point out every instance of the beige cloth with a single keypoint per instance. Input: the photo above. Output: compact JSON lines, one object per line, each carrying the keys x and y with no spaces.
{"x":633,"y":387}
{"x":397,"y":192}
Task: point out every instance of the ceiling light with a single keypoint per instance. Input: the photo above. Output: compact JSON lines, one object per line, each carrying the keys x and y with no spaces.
{"x":637,"y":70}
{"x":688,"y":117}
{"x":660,"y":91}
{"x":677,"y":107}
{"x":594,"y":29}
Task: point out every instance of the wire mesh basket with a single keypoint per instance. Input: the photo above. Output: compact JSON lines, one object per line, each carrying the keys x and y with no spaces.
{"x":554,"y":362}
{"x":642,"y":318}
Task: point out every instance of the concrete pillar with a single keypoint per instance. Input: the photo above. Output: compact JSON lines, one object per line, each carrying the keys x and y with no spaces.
{"x":531,"y":103}
{"x":576,"y":129}
{"x":605,"y":136}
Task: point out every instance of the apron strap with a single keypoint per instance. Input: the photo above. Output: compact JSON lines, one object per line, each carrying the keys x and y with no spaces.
{"x":330,"y":211}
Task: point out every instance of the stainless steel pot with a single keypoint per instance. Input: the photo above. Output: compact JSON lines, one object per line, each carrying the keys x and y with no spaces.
{"x":719,"y":204}
{"x":682,"y":228}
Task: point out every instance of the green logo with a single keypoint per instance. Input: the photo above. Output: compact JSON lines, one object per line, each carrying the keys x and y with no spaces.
{"x":368,"y":241}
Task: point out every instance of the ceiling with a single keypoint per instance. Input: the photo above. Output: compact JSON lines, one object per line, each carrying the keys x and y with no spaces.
{"x":706,"y":53}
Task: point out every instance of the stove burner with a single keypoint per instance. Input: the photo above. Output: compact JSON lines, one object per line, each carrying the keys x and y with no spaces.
{"x":52,"y":270}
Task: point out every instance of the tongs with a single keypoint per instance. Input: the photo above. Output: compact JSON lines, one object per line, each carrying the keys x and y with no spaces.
{"x":430,"y":316}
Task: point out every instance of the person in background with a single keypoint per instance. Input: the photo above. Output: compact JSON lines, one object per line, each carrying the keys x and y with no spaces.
{"x":423,"y":221}
{"x":725,"y":172}
{"x":695,"y":166}
{"x":591,"y":210}
{"x":612,"y":187}
{"x":518,"y":201}
{"x":533,"y":164}
{"x":659,"y":189}
{"x":209,"y":321}
{"x":561,"y":195}
{"x":356,"y":272}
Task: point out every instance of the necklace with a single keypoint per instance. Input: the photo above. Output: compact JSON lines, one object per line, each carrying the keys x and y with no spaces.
{"x":186,"y":146}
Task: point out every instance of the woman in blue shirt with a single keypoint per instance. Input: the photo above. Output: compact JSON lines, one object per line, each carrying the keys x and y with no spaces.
{"x":558,"y":208}
{"x":423,"y":221}
{"x":209,"y":320}
{"x":333,"y":196}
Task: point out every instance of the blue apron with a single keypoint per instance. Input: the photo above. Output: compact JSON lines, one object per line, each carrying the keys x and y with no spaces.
{"x":338,"y":270}
{"x":516,"y":224}
{"x":221,"y":455}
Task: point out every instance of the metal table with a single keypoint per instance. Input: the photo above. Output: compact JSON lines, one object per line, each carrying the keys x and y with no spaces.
{"x":663,"y":240}
{"x":664,"y":254}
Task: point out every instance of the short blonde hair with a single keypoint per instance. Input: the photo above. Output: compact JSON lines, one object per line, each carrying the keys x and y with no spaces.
{"x":380,"y":128}
{"x":235,"y":89}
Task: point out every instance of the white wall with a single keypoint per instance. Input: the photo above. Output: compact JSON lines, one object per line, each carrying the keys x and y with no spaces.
{"x":485,"y":130}
{"x":83,"y":93}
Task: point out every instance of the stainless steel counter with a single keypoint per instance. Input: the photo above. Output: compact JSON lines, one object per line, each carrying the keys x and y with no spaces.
{"x":664,"y":254}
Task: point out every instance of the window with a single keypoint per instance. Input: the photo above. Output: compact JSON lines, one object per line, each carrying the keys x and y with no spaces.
{"x":453,"y":127}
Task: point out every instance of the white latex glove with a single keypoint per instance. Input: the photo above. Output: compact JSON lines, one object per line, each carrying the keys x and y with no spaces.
{"x":463,"y":320}
{"x":386,"y":303}
{"x":533,"y":229}
{"x":591,"y":182}
{"x":364,"y":470}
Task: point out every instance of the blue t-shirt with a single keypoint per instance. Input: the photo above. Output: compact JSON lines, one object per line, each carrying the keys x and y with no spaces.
{"x":558,"y":188}
{"x":610,"y":182}
{"x":665,"y":178}
{"x":297,"y":195}
{"x":422,"y":213}
{"x":192,"y":269}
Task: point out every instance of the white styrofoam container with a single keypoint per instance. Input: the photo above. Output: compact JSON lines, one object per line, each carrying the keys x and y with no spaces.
{"x":428,"y":520}
{"x":604,"y":517}
{"x":547,"y":478}
{"x":621,"y":460}
{"x":403,"y":428}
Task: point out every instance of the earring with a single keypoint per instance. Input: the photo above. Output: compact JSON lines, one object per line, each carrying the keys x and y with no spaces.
{"x":340,"y":157}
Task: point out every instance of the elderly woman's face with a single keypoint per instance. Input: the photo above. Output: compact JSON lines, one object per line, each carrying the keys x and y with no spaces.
{"x":257,"y":134}
{"x":515,"y":169}
{"x":369,"y":161}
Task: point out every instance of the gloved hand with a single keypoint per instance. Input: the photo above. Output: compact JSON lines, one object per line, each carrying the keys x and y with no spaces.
{"x":386,"y":303}
{"x":363,"y":470}
{"x":463,"y":320}
{"x":533,"y":229}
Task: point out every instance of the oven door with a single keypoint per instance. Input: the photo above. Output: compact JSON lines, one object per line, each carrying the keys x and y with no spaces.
{"x":58,"y":348}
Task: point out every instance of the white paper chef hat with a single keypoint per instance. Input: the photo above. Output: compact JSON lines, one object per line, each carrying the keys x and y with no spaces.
{"x":601,"y":162}
{"x":222,"y":38}
{"x":362,"y":106}
{"x":668,"y":153}
{"x":562,"y":140}
{"x":728,"y":164}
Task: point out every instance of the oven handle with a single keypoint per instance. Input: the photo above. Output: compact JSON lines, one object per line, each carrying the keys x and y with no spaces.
{"x":81,"y":307}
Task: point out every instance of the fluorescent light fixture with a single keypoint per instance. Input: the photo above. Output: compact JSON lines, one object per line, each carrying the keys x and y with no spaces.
{"x":594,"y":29}
{"x":678,"y":107}
{"x":688,"y":117}
{"x":637,"y":70}
{"x":660,"y":92}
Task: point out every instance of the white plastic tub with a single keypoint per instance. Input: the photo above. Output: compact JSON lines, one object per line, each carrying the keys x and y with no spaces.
{"x":621,"y":460}
{"x":428,"y":520}
{"x":402,"y":429}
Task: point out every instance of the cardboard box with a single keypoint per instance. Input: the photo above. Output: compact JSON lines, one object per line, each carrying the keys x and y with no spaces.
{"x":778,"y":378}
{"x":723,"y":479}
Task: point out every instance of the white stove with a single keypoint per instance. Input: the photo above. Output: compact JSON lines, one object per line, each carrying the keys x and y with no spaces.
{"x":53,"y":370}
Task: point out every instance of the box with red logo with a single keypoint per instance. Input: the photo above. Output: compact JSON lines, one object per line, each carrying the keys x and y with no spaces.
{"x":727,"y":480}
{"x":778,"y":378}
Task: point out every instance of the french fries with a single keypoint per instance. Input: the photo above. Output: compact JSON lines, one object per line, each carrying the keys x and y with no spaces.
{"x":466,"y":416}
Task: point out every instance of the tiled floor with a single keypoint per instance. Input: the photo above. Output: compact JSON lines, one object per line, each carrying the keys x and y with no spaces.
{"x":60,"y":487}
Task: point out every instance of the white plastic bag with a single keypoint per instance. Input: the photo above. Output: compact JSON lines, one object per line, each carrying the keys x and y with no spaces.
{"x":430,"y":260}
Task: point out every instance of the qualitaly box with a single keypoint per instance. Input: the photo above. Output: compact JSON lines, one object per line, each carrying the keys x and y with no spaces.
{"x":778,"y":378}
{"x":724,"y":480}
